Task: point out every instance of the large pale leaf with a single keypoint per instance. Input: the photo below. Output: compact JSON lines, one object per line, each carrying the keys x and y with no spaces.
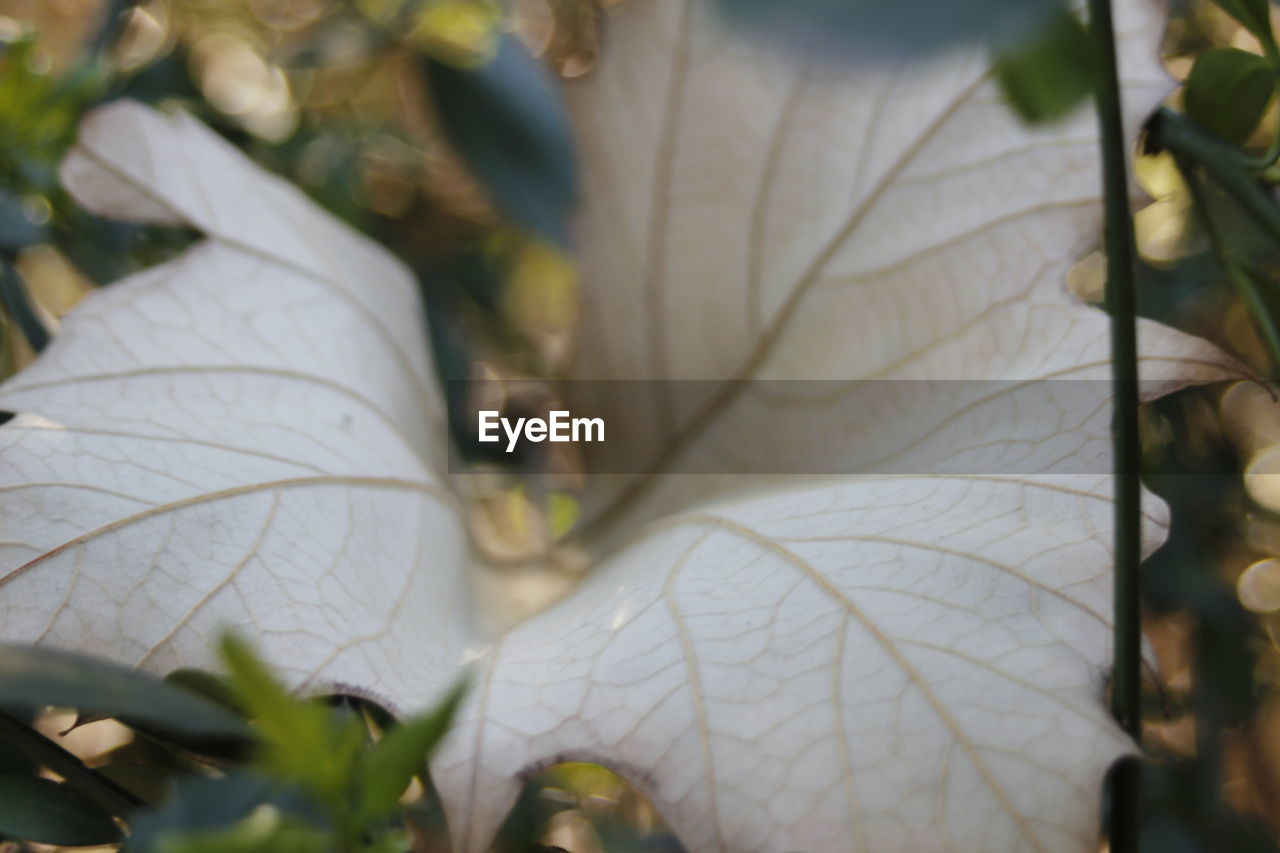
{"x":907,"y":664}
{"x":246,"y":436}
{"x":751,"y":218}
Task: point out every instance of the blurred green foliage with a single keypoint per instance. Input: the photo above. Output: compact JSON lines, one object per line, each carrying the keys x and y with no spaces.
{"x":1051,"y":74}
{"x":1228,"y":90}
{"x":318,"y":775}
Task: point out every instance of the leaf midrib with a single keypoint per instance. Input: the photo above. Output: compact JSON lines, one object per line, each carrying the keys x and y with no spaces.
{"x":730,"y":389}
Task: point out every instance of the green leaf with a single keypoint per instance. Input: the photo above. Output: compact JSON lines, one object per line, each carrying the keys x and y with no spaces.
{"x":48,"y":812}
{"x":1255,"y":15}
{"x":1227,"y":92}
{"x":166,"y":79}
{"x":16,"y":230}
{"x":507,"y":121}
{"x":207,"y":804}
{"x":39,"y":750}
{"x":17,"y":305}
{"x":40,"y":676}
{"x":855,"y":30}
{"x":302,"y":741}
{"x":211,"y":686}
{"x":14,"y":760}
{"x":263,"y":832}
{"x":401,"y":754}
{"x":1049,"y":76}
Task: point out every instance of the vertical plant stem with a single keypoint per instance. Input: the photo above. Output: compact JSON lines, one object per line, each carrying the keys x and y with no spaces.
{"x":1121,"y":298}
{"x":1122,"y":305}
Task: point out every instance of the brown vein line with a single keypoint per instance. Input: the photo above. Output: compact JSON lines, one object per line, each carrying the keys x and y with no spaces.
{"x":842,"y":388}
{"x":218,"y":587}
{"x":981,"y":664}
{"x":964,"y":328}
{"x":856,"y":828}
{"x":335,"y":287}
{"x":1035,"y":147}
{"x":940,"y":802}
{"x":1029,"y":481}
{"x":249,"y":370}
{"x":166,"y":438}
{"x":400,"y":599}
{"x":599,"y":177}
{"x":655,"y":273}
{"x":891,"y":649}
{"x":482,"y":716}
{"x":764,"y":196}
{"x":76,"y":568}
{"x":969,"y":408}
{"x":78,"y":486}
{"x":226,"y":494}
{"x":1013,"y":386}
{"x":873,"y":122}
{"x":950,"y":552}
{"x":1038,"y":484}
{"x":695,"y":686}
{"x":729,"y":390}
{"x":958,"y":239}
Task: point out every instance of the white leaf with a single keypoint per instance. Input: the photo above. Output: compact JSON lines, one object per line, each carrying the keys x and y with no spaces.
{"x":749,"y":218}
{"x":907,"y":664}
{"x":246,"y":436}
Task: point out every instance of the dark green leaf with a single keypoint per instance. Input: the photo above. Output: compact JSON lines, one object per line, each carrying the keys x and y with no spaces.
{"x":19,"y":735}
{"x":508,"y":122}
{"x":148,"y":782}
{"x":16,"y":229}
{"x":17,"y":306}
{"x":859,"y":30}
{"x":214,"y":803}
{"x":1047,"y":77}
{"x":146,"y":768}
{"x":211,"y":686}
{"x":14,"y":760}
{"x":1227,"y":92}
{"x":1255,"y":15}
{"x":272,"y":834}
{"x":37,"y":809}
{"x":167,"y":78}
{"x":41,"y":676}
{"x":399,"y":756}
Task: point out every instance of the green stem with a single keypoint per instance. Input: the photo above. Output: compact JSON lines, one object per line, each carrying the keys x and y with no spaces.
{"x":1121,"y":298}
{"x":1185,"y":141}
{"x":1241,"y":279}
{"x":16,"y":303}
{"x":110,"y":27}
{"x":1272,"y":154}
{"x":46,"y":753}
